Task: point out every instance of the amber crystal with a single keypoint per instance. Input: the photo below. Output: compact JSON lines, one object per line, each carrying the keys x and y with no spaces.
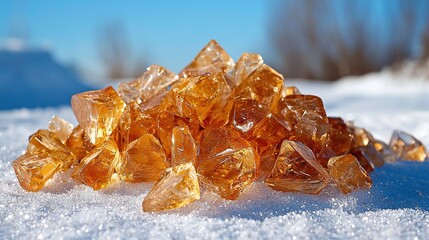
{"x":263,"y":85}
{"x":98,"y":112}
{"x":134,"y":123}
{"x":44,"y":142}
{"x":296,"y":170}
{"x":367,"y":157}
{"x":33,"y":171}
{"x":61,"y":127}
{"x":226,"y":162}
{"x":348,"y":174}
{"x":149,"y":89}
{"x":212,"y":58}
{"x":245,"y":65}
{"x":290,"y":90}
{"x":385,"y":150}
{"x":246,"y":113}
{"x":206,"y":98}
{"x":97,"y":167}
{"x":178,"y":187}
{"x":183,"y":146}
{"x":340,"y":140}
{"x":306,"y":117}
{"x":79,"y":143}
{"x":143,"y":160}
{"x":407,"y":147}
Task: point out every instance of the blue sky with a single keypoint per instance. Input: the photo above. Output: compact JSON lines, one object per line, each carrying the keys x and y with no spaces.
{"x":168,"y":33}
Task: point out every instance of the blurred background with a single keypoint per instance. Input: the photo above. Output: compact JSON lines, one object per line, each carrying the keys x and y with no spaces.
{"x":50,"y":50}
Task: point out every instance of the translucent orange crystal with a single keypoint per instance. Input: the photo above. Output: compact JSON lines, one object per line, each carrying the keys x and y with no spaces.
{"x":245,"y":65}
{"x":143,"y":160}
{"x":212,"y":58}
{"x":183,"y":146}
{"x":79,"y":143}
{"x":33,"y":171}
{"x":97,"y":167}
{"x":149,"y":89}
{"x":407,"y":147}
{"x":296,"y":170}
{"x":44,"y":142}
{"x":98,"y":112}
{"x":226,"y":162}
{"x":348,"y":174}
{"x":61,"y":127}
{"x":178,"y":187}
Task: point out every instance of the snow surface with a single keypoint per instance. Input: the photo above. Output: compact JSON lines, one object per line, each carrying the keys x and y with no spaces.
{"x":397,"y":207}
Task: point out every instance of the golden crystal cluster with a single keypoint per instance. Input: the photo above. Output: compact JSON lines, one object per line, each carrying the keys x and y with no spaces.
{"x":218,"y":123}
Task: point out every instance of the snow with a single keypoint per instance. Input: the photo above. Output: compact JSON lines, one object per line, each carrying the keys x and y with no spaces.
{"x":397,"y":207}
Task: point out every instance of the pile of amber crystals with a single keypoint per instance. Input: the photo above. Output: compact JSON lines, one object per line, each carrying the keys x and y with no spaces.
{"x":219,"y":124}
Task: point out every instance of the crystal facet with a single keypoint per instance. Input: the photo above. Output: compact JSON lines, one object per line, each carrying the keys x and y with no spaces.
{"x":178,"y":187}
{"x":183,"y":147}
{"x":407,"y":147}
{"x":33,"y":171}
{"x":226,"y":163}
{"x":143,"y":160}
{"x":348,"y":174}
{"x":61,"y":127}
{"x":98,"y":112}
{"x":97,"y":167}
{"x":245,"y":65}
{"x":297,"y":170}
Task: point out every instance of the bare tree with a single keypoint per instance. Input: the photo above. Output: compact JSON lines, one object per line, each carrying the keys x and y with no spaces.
{"x":114,"y":52}
{"x":328,"y":39}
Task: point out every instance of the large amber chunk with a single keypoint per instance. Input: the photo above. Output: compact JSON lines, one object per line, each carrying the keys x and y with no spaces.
{"x":61,"y":127}
{"x":306,"y":117}
{"x":44,"y":142}
{"x":212,"y":58}
{"x":98,"y":112}
{"x":297,"y":170}
{"x":33,"y":171}
{"x":183,"y":146}
{"x":96,"y":168}
{"x":149,"y":89}
{"x":263,"y":85}
{"x":206,"y":98}
{"x":227,"y":163}
{"x":245,"y":65}
{"x":143,"y":160}
{"x":348,"y":174}
{"x":178,"y":187}
{"x":407,"y":147}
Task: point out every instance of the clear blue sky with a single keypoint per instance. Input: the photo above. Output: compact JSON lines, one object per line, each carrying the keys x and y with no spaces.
{"x":168,"y":33}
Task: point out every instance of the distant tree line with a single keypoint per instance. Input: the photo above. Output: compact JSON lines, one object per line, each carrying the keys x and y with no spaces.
{"x":329,"y":39}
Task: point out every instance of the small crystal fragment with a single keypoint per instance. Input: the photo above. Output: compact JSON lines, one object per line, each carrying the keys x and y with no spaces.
{"x":61,"y":127}
{"x":79,"y":143}
{"x":226,"y":163}
{"x":348,"y":174}
{"x":143,"y":160}
{"x":98,"y":112}
{"x":291,"y":90}
{"x":368,"y":157}
{"x":149,"y":89}
{"x":212,"y":58}
{"x":97,"y":167}
{"x":297,"y":170}
{"x":183,"y":147}
{"x":33,"y":171}
{"x":45,"y":142}
{"x":385,"y":150}
{"x":246,"y":64}
{"x":407,"y":147}
{"x":178,"y":187}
